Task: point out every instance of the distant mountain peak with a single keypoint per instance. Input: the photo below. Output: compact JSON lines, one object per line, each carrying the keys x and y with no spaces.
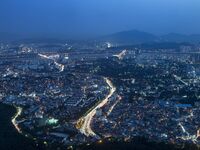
{"x":131,"y":37}
{"x":138,"y":37}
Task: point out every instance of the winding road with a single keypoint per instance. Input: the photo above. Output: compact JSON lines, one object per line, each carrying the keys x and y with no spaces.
{"x":14,"y":121}
{"x":86,"y":120}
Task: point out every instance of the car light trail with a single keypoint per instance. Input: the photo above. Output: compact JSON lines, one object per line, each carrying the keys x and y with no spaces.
{"x":14,"y":121}
{"x":121,"y":55}
{"x":113,"y":106}
{"x":61,"y":67}
{"x":85,"y":127}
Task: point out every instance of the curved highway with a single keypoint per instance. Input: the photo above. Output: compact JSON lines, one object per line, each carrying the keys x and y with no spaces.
{"x":85,"y":127}
{"x":14,"y":121}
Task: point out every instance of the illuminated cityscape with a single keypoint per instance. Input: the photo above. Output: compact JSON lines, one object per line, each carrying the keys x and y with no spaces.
{"x":80,"y":96}
{"x":99,"y":75}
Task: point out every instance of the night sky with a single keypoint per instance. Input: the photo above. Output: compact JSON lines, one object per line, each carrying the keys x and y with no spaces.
{"x":76,"y":18}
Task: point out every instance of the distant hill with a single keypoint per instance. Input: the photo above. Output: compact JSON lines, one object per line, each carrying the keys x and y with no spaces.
{"x":138,"y":37}
{"x":131,"y":37}
{"x":174,"y":37}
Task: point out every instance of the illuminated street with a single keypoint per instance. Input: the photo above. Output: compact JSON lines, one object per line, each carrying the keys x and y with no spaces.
{"x":14,"y":121}
{"x":87,"y":120}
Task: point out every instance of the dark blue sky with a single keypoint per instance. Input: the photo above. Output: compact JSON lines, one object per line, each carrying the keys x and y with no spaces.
{"x":98,"y":17}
